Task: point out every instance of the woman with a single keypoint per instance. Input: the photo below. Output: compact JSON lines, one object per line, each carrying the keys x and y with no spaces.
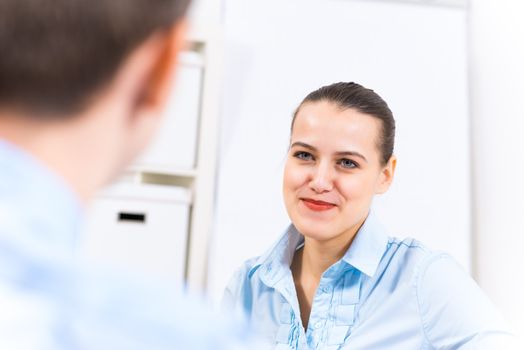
{"x":335,"y":279}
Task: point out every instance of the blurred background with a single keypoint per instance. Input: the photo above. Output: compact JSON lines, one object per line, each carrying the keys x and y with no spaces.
{"x":207,"y":195}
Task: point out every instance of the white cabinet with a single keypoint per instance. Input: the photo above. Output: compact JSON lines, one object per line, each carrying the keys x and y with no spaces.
{"x":174,"y":147}
{"x":156,"y":220}
{"x":141,"y":229}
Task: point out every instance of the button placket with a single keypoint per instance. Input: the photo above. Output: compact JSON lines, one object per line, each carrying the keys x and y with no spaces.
{"x":289,"y":331}
{"x":344,"y":313}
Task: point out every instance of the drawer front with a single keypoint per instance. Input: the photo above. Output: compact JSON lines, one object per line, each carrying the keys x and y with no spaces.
{"x":142,"y":237}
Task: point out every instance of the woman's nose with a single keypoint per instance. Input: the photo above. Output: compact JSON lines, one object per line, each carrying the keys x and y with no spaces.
{"x":322,"y":178}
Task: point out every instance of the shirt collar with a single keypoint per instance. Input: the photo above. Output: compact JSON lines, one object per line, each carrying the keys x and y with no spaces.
{"x":275,"y":263}
{"x":364,"y":254}
{"x":368,"y":246}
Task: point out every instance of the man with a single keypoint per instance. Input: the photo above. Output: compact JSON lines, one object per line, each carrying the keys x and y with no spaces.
{"x":82,"y":84}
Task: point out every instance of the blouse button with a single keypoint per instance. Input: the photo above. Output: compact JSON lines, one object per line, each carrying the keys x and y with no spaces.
{"x":325,"y":289}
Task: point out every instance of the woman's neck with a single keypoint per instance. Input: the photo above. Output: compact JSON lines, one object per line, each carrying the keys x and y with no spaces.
{"x":310,"y":262}
{"x":318,"y":256}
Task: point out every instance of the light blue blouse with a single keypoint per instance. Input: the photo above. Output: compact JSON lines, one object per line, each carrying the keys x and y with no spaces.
{"x":383,"y":294}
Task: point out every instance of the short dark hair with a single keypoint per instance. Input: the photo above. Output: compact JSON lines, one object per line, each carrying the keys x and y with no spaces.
{"x":352,"y":95}
{"x":56,"y":54}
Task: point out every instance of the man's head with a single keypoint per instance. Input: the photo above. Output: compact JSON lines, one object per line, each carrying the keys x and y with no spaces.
{"x":97,"y":69}
{"x":58,"y":54}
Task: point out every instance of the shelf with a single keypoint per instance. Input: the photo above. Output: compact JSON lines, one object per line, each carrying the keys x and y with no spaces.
{"x":160,"y":170}
{"x":168,"y":180}
{"x":145,"y":191}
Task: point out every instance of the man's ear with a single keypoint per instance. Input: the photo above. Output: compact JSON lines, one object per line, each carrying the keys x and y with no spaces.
{"x":145,"y":79}
{"x":137,"y":95}
{"x":386,"y":176}
{"x":158,"y":82}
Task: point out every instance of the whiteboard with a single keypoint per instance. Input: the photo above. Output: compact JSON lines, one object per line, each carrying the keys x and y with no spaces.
{"x":277,"y":51}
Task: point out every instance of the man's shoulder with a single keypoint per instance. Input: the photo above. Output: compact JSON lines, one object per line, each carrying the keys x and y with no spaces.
{"x":104,"y":310}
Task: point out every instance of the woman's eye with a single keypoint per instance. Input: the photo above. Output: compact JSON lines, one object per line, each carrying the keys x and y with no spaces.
{"x":348,"y":163}
{"x":303,"y":155}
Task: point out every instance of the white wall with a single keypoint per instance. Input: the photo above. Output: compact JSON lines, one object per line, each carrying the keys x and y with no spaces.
{"x":276,"y":51}
{"x":205,"y":12}
{"x":497,"y":105}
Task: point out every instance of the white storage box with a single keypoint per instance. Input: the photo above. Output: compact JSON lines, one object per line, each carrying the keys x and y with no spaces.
{"x":174,"y":146}
{"x":141,"y":229}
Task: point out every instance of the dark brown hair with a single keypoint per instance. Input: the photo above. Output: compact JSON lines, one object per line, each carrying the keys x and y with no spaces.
{"x":352,"y":95}
{"x":56,"y":54}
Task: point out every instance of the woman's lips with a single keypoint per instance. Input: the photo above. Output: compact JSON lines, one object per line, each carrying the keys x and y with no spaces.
{"x":317,"y":205}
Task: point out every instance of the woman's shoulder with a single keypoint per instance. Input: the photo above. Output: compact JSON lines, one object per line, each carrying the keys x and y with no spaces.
{"x":412,"y":252}
{"x":412,"y":260}
{"x":270,"y":262}
{"x":422,"y":258}
{"x":237,"y":294}
{"x":431,"y":273}
{"x":410,"y":245}
{"x":247,"y":268}
{"x":450,"y":301}
{"x":244,"y":273}
{"x":259,"y":272}
{"x":445,"y":294}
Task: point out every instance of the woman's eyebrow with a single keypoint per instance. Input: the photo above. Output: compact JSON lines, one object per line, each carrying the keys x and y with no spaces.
{"x":351,"y":153}
{"x":338,"y":154}
{"x":302,"y":144}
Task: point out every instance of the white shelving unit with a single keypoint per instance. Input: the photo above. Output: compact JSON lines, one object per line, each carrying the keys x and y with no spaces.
{"x":156,"y":220}
{"x":208,"y":41}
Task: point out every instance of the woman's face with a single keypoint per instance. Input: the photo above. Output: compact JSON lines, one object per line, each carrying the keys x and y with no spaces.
{"x":333,"y":170}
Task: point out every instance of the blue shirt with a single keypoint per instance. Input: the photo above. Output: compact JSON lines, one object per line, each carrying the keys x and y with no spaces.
{"x":383,"y":294}
{"x":50,"y":301}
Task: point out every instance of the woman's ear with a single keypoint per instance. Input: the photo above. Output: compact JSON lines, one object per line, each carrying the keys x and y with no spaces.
{"x":386,"y":176}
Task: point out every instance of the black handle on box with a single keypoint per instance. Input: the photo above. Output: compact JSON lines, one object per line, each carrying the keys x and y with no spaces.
{"x":132,"y":217}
